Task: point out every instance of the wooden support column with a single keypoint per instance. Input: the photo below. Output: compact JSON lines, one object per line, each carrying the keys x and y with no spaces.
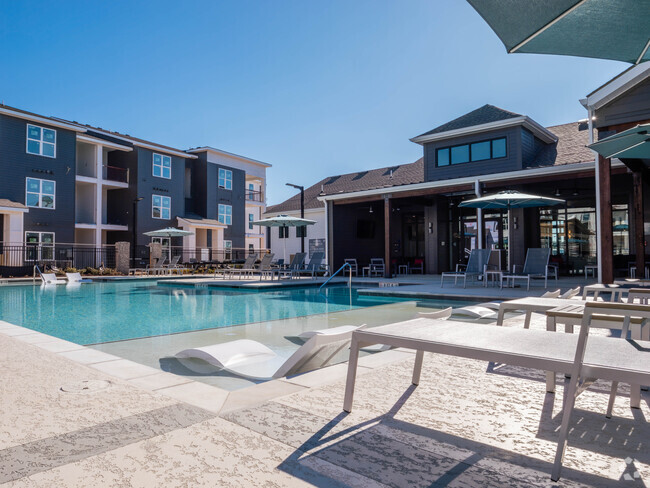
{"x":387,"y":253}
{"x":605,"y":224}
{"x":639,"y":234}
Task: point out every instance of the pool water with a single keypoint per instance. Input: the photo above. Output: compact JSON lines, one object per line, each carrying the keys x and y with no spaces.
{"x":115,"y":311}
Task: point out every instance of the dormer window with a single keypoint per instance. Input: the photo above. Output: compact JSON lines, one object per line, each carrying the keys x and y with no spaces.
{"x":476,"y":151}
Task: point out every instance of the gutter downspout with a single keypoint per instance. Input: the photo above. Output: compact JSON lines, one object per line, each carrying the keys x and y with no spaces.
{"x":479,"y":216}
{"x":327,"y":236}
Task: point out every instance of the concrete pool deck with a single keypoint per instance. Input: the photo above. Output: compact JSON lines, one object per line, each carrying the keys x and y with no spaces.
{"x":467,"y":424}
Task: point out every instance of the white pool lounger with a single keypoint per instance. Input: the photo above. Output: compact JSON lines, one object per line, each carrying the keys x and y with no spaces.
{"x":50,"y":279}
{"x":76,"y":278}
{"x":252,"y":359}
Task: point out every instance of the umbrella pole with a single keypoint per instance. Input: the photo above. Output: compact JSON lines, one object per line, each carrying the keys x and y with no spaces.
{"x":284,"y":254}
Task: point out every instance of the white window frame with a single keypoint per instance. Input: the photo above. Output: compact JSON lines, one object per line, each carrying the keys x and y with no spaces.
{"x":251,"y":219}
{"x":224,"y":217}
{"x":161,"y":207}
{"x":165,"y":242}
{"x":40,"y":141}
{"x":40,"y":193}
{"x":227,"y":250}
{"x":161,"y":166}
{"x":38,"y":247}
{"x":227,"y":179}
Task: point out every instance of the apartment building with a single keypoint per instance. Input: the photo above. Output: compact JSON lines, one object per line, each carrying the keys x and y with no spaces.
{"x":66,"y":185}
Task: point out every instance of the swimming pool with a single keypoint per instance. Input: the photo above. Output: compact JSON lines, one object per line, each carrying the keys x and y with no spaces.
{"x":115,"y":311}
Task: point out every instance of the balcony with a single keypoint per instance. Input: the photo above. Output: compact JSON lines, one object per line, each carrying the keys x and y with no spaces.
{"x":113,"y":173}
{"x":254,"y":196}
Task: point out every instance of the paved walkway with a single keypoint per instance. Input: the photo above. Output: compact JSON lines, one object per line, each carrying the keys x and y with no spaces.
{"x":468,"y":424}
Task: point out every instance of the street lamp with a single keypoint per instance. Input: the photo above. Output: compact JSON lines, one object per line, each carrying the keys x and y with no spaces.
{"x":302,"y":213}
{"x":135,"y":212}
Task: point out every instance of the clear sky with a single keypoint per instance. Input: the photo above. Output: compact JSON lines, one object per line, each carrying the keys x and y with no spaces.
{"x":316,"y":88}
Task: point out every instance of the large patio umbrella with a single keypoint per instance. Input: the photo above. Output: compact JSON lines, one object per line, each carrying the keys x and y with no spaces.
{"x":604,"y":29}
{"x":509,"y":199}
{"x":284,"y":221}
{"x":169,"y":232}
{"x":633,"y":143}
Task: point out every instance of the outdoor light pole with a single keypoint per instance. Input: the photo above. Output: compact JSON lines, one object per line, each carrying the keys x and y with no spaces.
{"x":302,"y":212}
{"x":135,"y":212}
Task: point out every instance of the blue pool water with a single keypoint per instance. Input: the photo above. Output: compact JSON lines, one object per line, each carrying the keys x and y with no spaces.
{"x":113,"y":311}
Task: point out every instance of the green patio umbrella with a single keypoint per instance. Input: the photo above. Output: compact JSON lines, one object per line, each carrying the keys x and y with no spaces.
{"x":633,"y":143}
{"x":509,"y":199}
{"x":604,"y":29}
{"x":284,"y":221}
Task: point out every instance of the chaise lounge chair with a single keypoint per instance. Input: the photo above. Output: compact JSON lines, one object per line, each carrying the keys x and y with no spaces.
{"x":50,"y":279}
{"x":76,"y":278}
{"x":476,"y":265}
{"x":253,"y":360}
{"x":583,"y":357}
{"x":535,"y":266}
{"x":247,"y":268}
{"x":313,"y":267}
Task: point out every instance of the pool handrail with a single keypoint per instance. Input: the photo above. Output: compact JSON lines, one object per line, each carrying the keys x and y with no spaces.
{"x":337,"y":272}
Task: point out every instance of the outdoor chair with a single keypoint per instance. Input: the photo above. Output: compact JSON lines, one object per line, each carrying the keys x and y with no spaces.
{"x":313,"y":267}
{"x":376,"y":267}
{"x":418,"y":265}
{"x":76,"y":278}
{"x":536,"y":266}
{"x":475,"y":267}
{"x":247,"y":268}
{"x":157,"y":267}
{"x":296,"y":263}
{"x":173,"y":264}
{"x":354,"y":267}
{"x":584,"y":358}
{"x":50,"y":279}
{"x":252,"y":359}
{"x":265,"y":267}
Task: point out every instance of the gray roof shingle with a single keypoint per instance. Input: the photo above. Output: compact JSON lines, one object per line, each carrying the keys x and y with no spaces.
{"x":387,"y":177}
{"x":483,"y":115}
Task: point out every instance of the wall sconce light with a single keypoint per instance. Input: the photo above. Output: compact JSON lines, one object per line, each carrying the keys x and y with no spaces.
{"x":430,"y":227}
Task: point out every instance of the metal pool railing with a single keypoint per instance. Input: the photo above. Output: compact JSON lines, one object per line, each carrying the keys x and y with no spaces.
{"x":337,"y":272}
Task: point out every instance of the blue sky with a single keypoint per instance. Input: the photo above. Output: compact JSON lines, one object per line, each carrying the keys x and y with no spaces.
{"x":314,"y":88}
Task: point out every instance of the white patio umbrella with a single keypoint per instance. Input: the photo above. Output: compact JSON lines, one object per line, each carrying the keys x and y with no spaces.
{"x":284,"y":221}
{"x":169,"y":232}
{"x":508,"y":199}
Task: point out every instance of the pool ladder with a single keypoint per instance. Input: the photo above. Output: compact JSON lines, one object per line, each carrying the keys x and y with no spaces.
{"x":337,"y":272}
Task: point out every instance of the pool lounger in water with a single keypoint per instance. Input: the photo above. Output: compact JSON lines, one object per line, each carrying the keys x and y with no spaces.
{"x":50,"y":279}
{"x":252,"y":359}
{"x":76,"y":278}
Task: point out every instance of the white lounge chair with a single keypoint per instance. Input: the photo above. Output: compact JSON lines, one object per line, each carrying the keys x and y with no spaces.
{"x":50,"y":279}
{"x":252,"y":359}
{"x":76,"y":278}
{"x":599,"y":357}
{"x":333,"y":330}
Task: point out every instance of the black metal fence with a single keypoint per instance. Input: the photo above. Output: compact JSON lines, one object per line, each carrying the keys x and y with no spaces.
{"x":19,"y":260}
{"x":198,"y":255}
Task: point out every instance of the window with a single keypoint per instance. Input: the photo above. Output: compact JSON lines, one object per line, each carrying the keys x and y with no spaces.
{"x":251,"y":191}
{"x":165,"y":242}
{"x":301,"y":231}
{"x":480,"y":151}
{"x":227,"y":250}
{"x":225,"y":179}
{"x":41,"y":141}
{"x":460,"y":154}
{"x":251,"y":249}
{"x":443,"y":157}
{"x":40,"y":193}
{"x":476,"y":151}
{"x":39,"y":246}
{"x":161,"y":207}
{"x":283,"y":232}
{"x":162,"y":166}
{"x":251,"y":218}
{"x":225,"y":214}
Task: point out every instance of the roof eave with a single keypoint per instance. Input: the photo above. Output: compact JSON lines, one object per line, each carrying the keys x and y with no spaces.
{"x":541,"y":132}
{"x":618,"y":85}
{"x":40,"y":119}
{"x":226,"y":153}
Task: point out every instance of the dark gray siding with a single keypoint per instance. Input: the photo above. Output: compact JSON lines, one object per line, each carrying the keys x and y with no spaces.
{"x":530,"y":147}
{"x":148,"y":185}
{"x":633,"y":106}
{"x":16,"y":165}
{"x":512,"y":162}
{"x":235,"y":197}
